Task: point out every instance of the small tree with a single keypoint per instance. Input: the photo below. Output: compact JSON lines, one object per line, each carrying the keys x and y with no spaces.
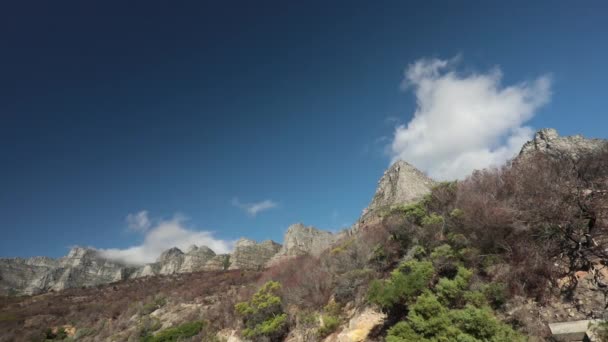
{"x":263,"y":315}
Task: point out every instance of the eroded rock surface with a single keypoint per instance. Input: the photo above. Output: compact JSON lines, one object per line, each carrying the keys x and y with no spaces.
{"x":547,"y":140}
{"x":303,"y":240}
{"x":249,"y":254}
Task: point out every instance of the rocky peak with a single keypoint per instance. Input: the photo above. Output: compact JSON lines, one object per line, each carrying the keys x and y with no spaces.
{"x":249,"y":254}
{"x":548,"y":140}
{"x":202,"y":251}
{"x":401,"y":183}
{"x":244,"y":242}
{"x":302,"y":240}
{"x":81,"y":253}
{"x":170,"y":254}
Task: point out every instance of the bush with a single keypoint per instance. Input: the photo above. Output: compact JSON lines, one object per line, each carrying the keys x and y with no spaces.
{"x":406,"y":282}
{"x":263,"y":315}
{"x":153,"y":305}
{"x":331,"y":319}
{"x":496,"y":294}
{"x":330,"y":324}
{"x":176,"y":333}
{"x":450,"y":291}
{"x":56,"y":334}
{"x":429,"y":320}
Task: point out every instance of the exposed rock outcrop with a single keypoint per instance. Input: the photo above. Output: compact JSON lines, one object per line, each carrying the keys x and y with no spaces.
{"x":401,"y":183}
{"x":81,"y":267}
{"x":86,"y":267}
{"x":249,"y":254}
{"x":302,"y":240}
{"x":547,"y":140}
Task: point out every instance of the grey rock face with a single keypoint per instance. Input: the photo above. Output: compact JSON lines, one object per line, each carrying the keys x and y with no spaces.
{"x":401,"y":183}
{"x":85,"y":267}
{"x":249,"y":254}
{"x":547,"y":140}
{"x":219,"y":262}
{"x":81,"y":267}
{"x":302,"y":240}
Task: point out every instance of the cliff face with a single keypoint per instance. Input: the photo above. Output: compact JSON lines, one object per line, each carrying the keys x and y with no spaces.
{"x":547,"y":140}
{"x":249,"y":254}
{"x":85,"y":267}
{"x":401,"y":183}
{"x":81,"y":267}
{"x":301,"y":240}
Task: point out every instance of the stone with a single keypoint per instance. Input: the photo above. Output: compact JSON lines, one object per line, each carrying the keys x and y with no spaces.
{"x":570,"y":331}
{"x":86,"y":267}
{"x":401,"y":183}
{"x":251,"y":255}
{"x":547,"y":140}
{"x":302,"y":240}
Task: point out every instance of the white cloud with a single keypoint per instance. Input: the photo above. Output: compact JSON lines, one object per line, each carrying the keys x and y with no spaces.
{"x":165,"y":235}
{"x":254,"y":208}
{"x":464,"y":122}
{"x":138,"y":222}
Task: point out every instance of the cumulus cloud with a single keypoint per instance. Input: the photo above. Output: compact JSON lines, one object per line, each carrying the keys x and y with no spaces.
{"x":163,"y":235}
{"x":464,"y":121}
{"x":138,"y":222}
{"x":254,"y":208}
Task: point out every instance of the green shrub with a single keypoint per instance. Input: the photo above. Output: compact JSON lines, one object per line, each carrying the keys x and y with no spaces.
{"x":451,"y":290}
{"x":415,"y":211}
{"x":330,"y":324}
{"x":263,"y":314}
{"x":444,"y":251}
{"x":60,"y":334}
{"x":406,"y":282}
{"x":431,"y":219}
{"x":475,"y":298}
{"x":153,"y":305}
{"x":496,"y":294}
{"x":456,"y":213}
{"x":226,"y":262}
{"x":343,"y":247}
{"x":177,"y":333}
{"x":308,"y":319}
{"x":429,"y":320}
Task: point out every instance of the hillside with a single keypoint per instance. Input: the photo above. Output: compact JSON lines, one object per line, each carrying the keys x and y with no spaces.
{"x":495,"y":257}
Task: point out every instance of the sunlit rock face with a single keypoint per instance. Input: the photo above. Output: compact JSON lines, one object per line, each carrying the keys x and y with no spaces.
{"x":303,"y":240}
{"x":401,"y":183}
{"x":548,"y":141}
{"x":249,"y":254}
{"x":81,"y":267}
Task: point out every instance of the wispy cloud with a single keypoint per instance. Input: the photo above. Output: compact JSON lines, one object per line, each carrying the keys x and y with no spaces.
{"x":138,"y":222}
{"x":463,"y":121}
{"x":163,"y":235}
{"x":256,"y":207}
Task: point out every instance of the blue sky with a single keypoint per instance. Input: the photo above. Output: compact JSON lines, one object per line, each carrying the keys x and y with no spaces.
{"x":196,"y":112}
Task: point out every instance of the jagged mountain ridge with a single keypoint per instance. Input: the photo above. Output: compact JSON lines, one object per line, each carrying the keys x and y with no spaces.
{"x":401,"y":183}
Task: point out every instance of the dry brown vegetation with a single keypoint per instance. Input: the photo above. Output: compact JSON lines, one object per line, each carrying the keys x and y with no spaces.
{"x":523,"y":226}
{"x":104,"y":310}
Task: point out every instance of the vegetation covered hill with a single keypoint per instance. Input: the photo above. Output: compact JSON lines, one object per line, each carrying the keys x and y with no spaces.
{"x":495,"y":257}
